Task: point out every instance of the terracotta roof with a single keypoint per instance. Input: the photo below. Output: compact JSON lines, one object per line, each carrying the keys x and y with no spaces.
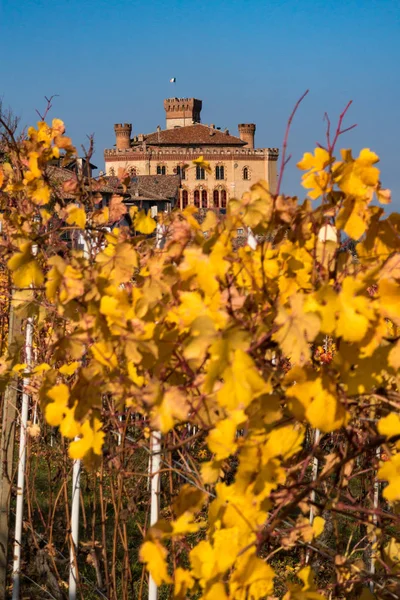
{"x":147,"y":187}
{"x":59,"y":175}
{"x":142,"y":187}
{"x":192,"y":135}
{"x":154,"y":187}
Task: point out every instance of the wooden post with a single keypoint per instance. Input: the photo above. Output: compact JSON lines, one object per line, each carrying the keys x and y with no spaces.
{"x":9,"y":418}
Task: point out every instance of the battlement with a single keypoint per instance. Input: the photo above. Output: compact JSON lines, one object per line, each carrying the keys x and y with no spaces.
{"x":246,"y":133}
{"x":247,"y":127}
{"x":123,"y":135}
{"x":182,"y":111}
{"x":208,"y":153}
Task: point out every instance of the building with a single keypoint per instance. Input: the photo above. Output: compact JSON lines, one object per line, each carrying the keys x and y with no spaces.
{"x":234,"y":160}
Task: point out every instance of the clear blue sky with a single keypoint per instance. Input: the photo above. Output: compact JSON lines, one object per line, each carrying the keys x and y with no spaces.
{"x":248,"y":60}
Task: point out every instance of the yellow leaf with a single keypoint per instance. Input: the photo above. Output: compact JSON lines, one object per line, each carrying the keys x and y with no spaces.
{"x":92,"y":439}
{"x":297,"y":329}
{"x":202,"y":559}
{"x":183,"y":581}
{"x":69,"y":427}
{"x":389,"y":299}
{"x":69,"y":368}
{"x":355,"y":312}
{"x":227,"y":543}
{"x":19,"y":367}
{"x":104,"y":353}
{"x":173,"y":407}
{"x":203,"y":164}
{"x":76,"y":216}
{"x":39,"y":192}
{"x":209,"y":222}
{"x":394,"y":356}
{"x":390,"y":472}
{"x":314,"y":398}
{"x":222,"y":439}
{"x":144,"y":223}
{"x":253,"y":575}
{"x":216,"y":592}
{"x":283,"y":441}
{"x":389,"y":425}
{"x":55,"y":410}
{"x":242,"y":383}
{"x":154,"y":555}
{"x":317,"y":161}
{"x":25,"y":268}
{"x":354,"y":217}
{"x":318,"y":526}
{"x":355,"y":176}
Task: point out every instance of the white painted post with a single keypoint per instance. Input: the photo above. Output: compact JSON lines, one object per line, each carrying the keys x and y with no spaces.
{"x":19,"y":509}
{"x":76,"y":486}
{"x":19,"y":512}
{"x":155,"y":451}
{"x":73,"y":555}
{"x":155,"y":441}
{"x":375,"y":522}
{"x":314,"y":475}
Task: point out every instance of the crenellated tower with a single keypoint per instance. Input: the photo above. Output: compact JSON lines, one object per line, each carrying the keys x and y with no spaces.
{"x":123,"y":135}
{"x":180,"y":112}
{"x":246,"y":133}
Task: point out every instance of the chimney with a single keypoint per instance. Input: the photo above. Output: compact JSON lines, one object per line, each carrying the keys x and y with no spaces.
{"x":246,"y":133}
{"x":123,"y":135}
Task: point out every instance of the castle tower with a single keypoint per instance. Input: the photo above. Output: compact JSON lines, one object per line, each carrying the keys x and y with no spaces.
{"x":180,"y":112}
{"x":123,"y":135}
{"x":246,"y":133}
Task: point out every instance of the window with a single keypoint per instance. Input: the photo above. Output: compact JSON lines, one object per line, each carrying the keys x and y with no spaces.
{"x":200,"y":173}
{"x":216,"y":198}
{"x":223,"y":198}
{"x":181,"y":171}
{"x":196,"y":197}
{"x":204,"y":199}
{"x":219,"y":173}
{"x":184,"y":198}
{"x":161,"y":170}
{"x":240,"y":231}
{"x":245,"y":173}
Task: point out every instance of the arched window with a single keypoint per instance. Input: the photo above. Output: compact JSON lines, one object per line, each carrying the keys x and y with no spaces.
{"x":216,"y":198}
{"x":219,"y":172}
{"x":245,"y":173}
{"x":200,"y":173}
{"x":161,"y":170}
{"x":223,"y":198}
{"x":196,"y":197}
{"x":184,"y":198}
{"x":181,"y":171}
{"x":204,"y":199}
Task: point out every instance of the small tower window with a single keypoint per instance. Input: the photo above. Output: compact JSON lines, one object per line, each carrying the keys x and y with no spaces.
{"x":200,"y":173}
{"x":219,"y":172}
{"x":181,"y":171}
{"x":204,"y":199}
{"x":246,"y":173}
{"x":223,"y":198}
{"x":196,"y":198}
{"x":216,"y":198}
{"x":184,"y":198}
{"x":161,"y":170}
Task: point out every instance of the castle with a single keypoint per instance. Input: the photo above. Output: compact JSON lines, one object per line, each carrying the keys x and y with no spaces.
{"x":235,"y":162}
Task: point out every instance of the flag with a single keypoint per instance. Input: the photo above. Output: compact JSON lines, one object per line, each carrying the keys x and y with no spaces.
{"x":173,"y":80}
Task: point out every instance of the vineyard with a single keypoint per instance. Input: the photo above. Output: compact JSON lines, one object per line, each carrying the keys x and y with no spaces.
{"x":188,"y":417}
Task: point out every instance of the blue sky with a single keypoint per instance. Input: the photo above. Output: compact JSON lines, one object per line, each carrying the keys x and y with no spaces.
{"x":248,"y":60}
